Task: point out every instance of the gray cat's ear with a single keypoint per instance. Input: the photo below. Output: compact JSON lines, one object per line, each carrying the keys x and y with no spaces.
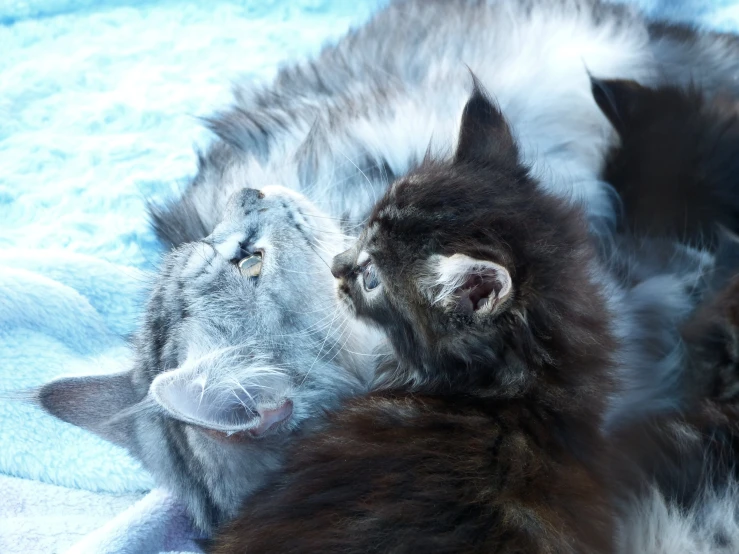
{"x":483,"y":132}
{"x":618,"y":100}
{"x":92,"y":402}
{"x":462,"y":283}
{"x":228,"y":407}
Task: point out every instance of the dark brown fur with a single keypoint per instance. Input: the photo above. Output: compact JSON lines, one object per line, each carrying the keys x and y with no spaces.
{"x":421,"y":474}
{"x":491,"y":441}
{"x":712,"y":339}
{"x":676,"y":169}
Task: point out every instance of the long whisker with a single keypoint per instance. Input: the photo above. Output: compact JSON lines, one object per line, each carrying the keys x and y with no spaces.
{"x":367,"y":179}
{"x":345,"y":332}
{"x":323,"y":344}
{"x":319,"y":255}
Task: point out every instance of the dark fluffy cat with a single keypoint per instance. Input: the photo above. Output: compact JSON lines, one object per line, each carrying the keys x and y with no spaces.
{"x":484,"y":285}
{"x":676,"y":169}
{"x":676,"y":172}
{"x":685,"y":464}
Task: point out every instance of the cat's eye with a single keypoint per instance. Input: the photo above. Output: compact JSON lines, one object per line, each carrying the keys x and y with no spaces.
{"x":251,"y":266}
{"x":369,"y":277}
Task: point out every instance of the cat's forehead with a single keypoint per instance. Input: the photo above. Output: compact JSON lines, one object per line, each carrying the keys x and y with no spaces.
{"x":393,"y":207}
{"x":375,"y":239}
{"x":401,"y":218}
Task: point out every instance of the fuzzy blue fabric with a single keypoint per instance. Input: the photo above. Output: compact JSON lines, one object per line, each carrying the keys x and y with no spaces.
{"x":717,"y":15}
{"x":98,"y":106}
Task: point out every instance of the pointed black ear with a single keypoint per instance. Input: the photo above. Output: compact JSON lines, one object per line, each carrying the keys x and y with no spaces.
{"x":617,"y":99}
{"x":483,"y":132}
{"x":92,"y":402}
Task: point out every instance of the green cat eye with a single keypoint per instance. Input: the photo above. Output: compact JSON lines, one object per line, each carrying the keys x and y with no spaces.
{"x":251,"y":266}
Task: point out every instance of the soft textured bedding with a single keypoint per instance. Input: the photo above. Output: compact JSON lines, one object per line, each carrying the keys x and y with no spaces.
{"x":98,"y":113}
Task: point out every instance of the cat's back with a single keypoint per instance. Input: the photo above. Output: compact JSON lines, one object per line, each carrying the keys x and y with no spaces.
{"x":414,"y":473}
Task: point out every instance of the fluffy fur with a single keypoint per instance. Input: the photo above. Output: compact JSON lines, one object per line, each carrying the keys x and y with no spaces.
{"x":337,"y":129}
{"x":370,"y":107}
{"x":686,"y":475}
{"x":227,"y":366}
{"x":675,"y":168}
{"x":499,"y":447}
{"x":545,"y":349}
{"x":657,"y":526}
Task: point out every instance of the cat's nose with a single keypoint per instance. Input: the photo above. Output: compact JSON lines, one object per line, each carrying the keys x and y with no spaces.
{"x":343,"y":264}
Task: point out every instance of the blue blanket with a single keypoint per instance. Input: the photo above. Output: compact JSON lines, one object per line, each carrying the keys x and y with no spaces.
{"x":97,"y":113}
{"x":98,"y":106}
{"x":99,"y":109}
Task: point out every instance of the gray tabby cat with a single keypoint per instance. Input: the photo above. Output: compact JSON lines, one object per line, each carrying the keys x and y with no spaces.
{"x":242,"y":345}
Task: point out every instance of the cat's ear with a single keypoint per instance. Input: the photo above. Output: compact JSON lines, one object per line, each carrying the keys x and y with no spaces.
{"x":92,"y":402}
{"x":227,"y":407}
{"x":462,"y":283}
{"x":483,"y":132}
{"x":617,"y":99}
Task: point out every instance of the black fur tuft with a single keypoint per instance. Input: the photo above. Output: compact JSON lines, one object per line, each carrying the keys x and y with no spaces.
{"x":676,"y":168}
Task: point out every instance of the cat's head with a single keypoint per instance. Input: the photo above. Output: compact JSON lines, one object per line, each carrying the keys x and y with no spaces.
{"x":676,"y":165}
{"x":242,"y":343}
{"x":468,"y":265}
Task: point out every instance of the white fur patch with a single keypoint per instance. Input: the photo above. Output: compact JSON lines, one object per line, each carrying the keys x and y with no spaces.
{"x":362,"y":258}
{"x":446,"y":274}
{"x":655,"y":526}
